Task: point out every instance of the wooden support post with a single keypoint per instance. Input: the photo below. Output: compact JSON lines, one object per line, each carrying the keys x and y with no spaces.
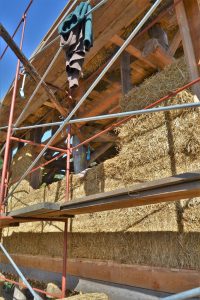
{"x":79,"y":156}
{"x":188,"y":44}
{"x":192,"y":9}
{"x":36,"y":177}
{"x":125,"y":73}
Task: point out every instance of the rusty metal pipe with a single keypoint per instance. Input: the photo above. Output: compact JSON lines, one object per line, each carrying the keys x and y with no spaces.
{"x":9,"y":131}
{"x":38,"y":144}
{"x":64,"y":271}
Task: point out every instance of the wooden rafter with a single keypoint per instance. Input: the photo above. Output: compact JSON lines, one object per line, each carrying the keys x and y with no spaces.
{"x":133,"y":51}
{"x":89,"y":131}
{"x":175,"y":43}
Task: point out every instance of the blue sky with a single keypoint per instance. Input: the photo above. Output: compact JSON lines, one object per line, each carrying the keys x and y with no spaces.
{"x":41,"y":16}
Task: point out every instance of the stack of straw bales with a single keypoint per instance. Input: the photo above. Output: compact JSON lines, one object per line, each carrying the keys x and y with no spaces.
{"x":22,"y":160}
{"x":150,"y":147}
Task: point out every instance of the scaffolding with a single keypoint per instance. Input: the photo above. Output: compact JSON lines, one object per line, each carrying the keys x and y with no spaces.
{"x":67,"y":122}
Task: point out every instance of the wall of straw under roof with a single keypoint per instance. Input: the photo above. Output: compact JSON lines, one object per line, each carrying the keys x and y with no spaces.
{"x":150,"y":147}
{"x":22,"y":160}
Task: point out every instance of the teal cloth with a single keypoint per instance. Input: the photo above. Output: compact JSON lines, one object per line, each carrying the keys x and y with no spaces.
{"x":1,"y":163}
{"x":75,"y":18}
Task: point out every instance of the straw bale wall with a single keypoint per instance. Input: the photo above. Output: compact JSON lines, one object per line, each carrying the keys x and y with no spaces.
{"x":150,"y":147}
{"x":22,"y":160}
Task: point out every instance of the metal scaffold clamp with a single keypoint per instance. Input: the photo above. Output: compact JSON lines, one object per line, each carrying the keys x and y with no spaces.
{"x":21,"y":90}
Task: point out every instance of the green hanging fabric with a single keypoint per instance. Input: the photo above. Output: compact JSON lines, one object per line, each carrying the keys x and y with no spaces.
{"x":76,"y":17}
{"x":1,"y":163}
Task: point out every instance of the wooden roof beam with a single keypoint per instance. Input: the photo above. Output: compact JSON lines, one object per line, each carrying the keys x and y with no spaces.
{"x":89,"y":131}
{"x":117,"y":40}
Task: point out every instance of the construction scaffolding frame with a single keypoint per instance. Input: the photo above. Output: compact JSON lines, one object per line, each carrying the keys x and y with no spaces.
{"x":66,"y":123}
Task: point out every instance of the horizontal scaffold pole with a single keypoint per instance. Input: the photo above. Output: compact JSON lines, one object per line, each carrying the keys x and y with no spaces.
{"x":136,"y":112}
{"x":38,"y":144}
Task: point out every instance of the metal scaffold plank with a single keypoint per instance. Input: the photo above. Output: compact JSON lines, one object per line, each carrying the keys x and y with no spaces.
{"x":173,"y":188}
{"x":35,"y":209}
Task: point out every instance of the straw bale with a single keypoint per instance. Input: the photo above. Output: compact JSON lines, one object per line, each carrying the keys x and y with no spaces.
{"x":157,"y":86}
{"x":167,"y":249}
{"x":22,"y":160}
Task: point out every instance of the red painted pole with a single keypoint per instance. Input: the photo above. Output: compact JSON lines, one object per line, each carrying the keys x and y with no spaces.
{"x":64,"y":272}
{"x":37,"y":144}
{"x":40,"y":166}
{"x":8,"y":173}
{"x":35,"y":289}
{"x":9,"y":131}
{"x":68,"y":163}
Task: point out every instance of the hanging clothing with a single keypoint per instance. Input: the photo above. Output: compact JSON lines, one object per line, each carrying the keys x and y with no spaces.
{"x":76,"y":38}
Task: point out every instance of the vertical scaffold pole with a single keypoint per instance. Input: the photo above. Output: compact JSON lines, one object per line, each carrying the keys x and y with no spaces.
{"x":10,"y":122}
{"x":65,"y":239}
{"x":68,"y":163}
{"x":8,"y":173}
{"x":64,"y":270}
